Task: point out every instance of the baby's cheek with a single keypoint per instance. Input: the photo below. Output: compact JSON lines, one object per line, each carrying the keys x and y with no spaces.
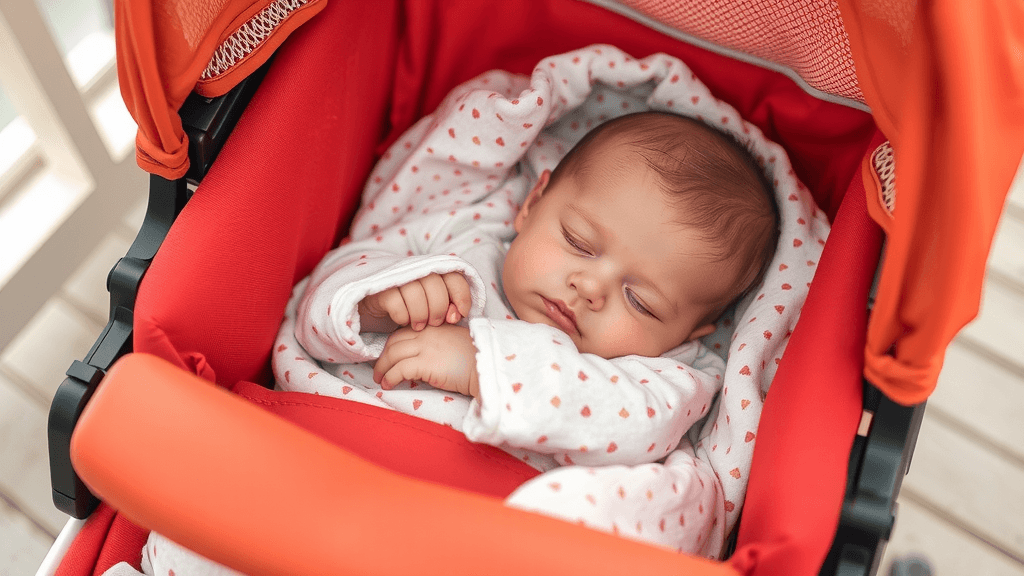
{"x":623,"y":337}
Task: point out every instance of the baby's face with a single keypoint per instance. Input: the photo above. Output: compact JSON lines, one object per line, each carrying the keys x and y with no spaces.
{"x":601,"y":259}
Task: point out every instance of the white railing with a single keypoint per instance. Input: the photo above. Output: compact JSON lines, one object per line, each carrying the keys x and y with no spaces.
{"x":67,"y":168}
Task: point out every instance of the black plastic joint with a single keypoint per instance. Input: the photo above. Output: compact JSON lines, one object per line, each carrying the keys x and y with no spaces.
{"x":88,"y":375}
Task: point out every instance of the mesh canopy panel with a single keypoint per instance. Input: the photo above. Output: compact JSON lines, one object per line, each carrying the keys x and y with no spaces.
{"x":806,"y":36}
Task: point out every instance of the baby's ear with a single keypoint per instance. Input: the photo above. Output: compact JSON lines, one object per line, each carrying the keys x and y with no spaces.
{"x":531,"y":198}
{"x":701,"y":331}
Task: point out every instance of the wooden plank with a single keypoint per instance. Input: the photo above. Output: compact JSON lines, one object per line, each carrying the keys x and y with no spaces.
{"x":985,"y":398}
{"x":1000,"y":324}
{"x":1007,"y":257}
{"x":22,"y":544}
{"x":56,"y":337}
{"x":948,"y":549}
{"x":25,"y":474}
{"x":87,"y":287}
{"x":1015,"y":200}
{"x":969,"y":484}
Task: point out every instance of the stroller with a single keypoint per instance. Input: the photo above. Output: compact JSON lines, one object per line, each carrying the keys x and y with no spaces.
{"x":274,"y":477}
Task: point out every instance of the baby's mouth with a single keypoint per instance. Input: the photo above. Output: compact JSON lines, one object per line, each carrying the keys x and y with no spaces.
{"x":561,"y":315}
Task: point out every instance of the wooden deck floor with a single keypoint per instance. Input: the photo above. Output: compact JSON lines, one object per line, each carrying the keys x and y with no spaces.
{"x":962,"y":506}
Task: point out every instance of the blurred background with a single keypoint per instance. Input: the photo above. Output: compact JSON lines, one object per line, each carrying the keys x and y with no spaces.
{"x":72,"y":198}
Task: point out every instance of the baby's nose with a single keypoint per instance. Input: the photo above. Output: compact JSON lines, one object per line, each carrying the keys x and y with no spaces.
{"x":590,"y":290}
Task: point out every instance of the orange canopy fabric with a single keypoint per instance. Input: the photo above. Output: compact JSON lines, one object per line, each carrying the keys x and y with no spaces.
{"x":163,"y":49}
{"x":946,"y":85}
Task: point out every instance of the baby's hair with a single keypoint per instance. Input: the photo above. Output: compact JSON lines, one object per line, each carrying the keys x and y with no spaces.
{"x":714,"y":181}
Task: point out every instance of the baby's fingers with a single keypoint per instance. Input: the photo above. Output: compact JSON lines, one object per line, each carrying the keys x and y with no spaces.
{"x":437,"y":298}
{"x":406,"y":369}
{"x":396,"y":349}
{"x":458,"y":292}
{"x":416,"y":303}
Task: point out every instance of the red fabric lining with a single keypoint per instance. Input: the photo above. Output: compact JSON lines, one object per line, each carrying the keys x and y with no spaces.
{"x":810,"y":417}
{"x":106,"y":539}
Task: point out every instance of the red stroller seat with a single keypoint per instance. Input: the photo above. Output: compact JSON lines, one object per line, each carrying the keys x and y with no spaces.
{"x":280,"y":195}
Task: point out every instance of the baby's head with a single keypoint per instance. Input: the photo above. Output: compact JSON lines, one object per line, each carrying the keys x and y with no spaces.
{"x":647,"y":230}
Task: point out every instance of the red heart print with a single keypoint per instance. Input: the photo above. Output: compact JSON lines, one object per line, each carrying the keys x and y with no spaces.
{"x":612,"y":447}
{"x":745,"y":370}
{"x":517,"y":387}
{"x":650,"y":412}
{"x":556,"y":401}
{"x":416,"y":404}
{"x":744,"y":403}
{"x":476,"y":113}
{"x":624,"y":413}
{"x":585,"y":412}
{"x":451,"y":132}
{"x":582,"y":376}
{"x":346,"y":389}
{"x":735,"y":473}
{"x":750,"y":436}
{"x":729,"y":506}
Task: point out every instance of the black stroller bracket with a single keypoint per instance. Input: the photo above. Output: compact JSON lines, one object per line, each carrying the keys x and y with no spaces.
{"x":878,"y":463}
{"x":70,"y":495}
{"x":207,"y":122}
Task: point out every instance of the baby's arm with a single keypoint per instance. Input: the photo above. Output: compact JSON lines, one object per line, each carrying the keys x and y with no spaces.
{"x":536,"y":391}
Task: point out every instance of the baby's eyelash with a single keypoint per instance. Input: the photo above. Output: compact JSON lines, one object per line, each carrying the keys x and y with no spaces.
{"x":574,"y":243}
{"x":636,"y":304}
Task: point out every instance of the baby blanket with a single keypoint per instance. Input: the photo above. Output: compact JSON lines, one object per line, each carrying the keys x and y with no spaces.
{"x":481,"y":151}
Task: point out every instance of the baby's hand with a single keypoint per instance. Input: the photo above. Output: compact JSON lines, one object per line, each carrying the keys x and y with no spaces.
{"x":442,"y":356}
{"x":431,"y":300}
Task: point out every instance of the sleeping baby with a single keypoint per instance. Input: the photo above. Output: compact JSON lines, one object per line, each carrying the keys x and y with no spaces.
{"x":560,"y":266}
